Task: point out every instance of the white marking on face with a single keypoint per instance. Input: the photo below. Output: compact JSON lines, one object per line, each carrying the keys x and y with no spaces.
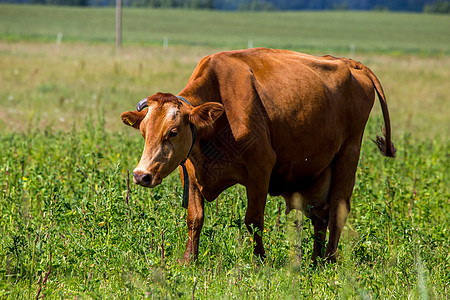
{"x":172,"y":113}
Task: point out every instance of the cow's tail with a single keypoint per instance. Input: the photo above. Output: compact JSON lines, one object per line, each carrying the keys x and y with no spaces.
{"x":385,"y":144}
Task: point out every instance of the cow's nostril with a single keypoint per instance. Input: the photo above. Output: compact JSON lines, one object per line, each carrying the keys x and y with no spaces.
{"x":142,"y":179}
{"x":146,"y":178}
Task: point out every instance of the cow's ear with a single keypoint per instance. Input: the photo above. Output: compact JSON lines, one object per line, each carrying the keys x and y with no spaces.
{"x":206,"y":114}
{"x":133,"y":118}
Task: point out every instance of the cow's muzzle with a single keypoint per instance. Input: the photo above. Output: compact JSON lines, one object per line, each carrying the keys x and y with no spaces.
{"x":146,"y":179}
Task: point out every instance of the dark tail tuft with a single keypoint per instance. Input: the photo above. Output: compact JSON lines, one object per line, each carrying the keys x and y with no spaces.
{"x":386,"y":151}
{"x":384,"y":142}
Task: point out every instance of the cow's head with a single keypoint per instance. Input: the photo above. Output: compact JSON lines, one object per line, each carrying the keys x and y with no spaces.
{"x":167,"y":126}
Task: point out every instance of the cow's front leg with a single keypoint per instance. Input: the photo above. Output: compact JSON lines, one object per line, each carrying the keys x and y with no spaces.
{"x":254,"y":217}
{"x":257,"y":185}
{"x":195,"y":217}
{"x":194,"y":222}
{"x":256,"y":203}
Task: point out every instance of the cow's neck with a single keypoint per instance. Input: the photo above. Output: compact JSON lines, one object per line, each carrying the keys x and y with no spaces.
{"x":210,"y":157}
{"x":216,"y":168}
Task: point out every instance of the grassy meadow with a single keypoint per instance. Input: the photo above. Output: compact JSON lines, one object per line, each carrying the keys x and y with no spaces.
{"x":306,"y":31}
{"x":71,"y":227}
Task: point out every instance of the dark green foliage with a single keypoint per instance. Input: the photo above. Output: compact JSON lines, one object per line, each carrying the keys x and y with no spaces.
{"x":438,"y":7}
{"x":255,"y":5}
{"x":191,"y":4}
{"x":258,"y":5}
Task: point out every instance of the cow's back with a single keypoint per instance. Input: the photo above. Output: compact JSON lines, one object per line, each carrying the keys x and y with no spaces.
{"x":310,"y":105}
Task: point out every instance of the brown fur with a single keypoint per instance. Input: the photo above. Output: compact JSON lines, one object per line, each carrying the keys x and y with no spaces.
{"x":133,"y":119}
{"x":282,"y":123}
{"x":163,"y":98}
{"x":203,"y":116}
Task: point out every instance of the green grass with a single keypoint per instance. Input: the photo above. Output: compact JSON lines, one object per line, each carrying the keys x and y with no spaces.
{"x":305,"y":31}
{"x":63,"y":204}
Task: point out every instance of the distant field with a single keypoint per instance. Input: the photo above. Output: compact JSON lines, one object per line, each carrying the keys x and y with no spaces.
{"x":48,"y":85}
{"x":305,"y":31}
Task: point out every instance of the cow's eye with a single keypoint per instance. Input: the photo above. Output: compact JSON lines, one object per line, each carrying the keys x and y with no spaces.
{"x":172,"y":133}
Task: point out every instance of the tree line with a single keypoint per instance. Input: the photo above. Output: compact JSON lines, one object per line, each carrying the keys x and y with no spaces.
{"x":390,"y":5}
{"x":428,"y":6}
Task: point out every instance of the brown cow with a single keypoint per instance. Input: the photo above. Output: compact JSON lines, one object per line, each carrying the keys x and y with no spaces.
{"x":275,"y":121}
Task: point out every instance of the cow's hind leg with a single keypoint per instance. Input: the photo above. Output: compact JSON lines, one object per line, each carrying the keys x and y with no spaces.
{"x":314,"y":202}
{"x":343,"y":180}
{"x":320,"y":233}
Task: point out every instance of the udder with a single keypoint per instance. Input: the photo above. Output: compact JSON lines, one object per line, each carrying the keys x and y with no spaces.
{"x":312,"y":200}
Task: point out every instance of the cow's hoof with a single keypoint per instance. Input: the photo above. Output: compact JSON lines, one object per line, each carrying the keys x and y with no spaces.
{"x":331,"y":259}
